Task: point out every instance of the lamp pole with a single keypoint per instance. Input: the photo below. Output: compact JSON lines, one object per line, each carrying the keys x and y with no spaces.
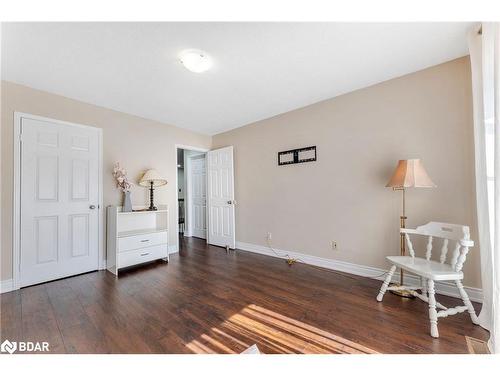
{"x":402,"y":237}
{"x":403,"y":217}
{"x":151,"y":199}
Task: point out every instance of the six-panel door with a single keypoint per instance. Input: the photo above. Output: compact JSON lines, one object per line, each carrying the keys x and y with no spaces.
{"x":221,"y":197}
{"x":199,"y":195}
{"x":59,"y":200}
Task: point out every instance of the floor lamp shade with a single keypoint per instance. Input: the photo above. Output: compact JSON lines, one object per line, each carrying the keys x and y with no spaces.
{"x":410,"y":173}
{"x":152,"y":179}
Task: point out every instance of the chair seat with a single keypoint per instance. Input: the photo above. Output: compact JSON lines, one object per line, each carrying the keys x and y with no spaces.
{"x":429,"y":269}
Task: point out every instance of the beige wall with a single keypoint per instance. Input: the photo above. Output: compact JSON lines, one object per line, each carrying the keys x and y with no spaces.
{"x":359,"y":138}
{"x":136,"y":142}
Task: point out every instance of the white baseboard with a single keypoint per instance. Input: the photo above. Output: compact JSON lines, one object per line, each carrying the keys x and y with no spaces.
{"x":444,"y":288}
{"x":6,"y":286}
{"x":173,"y":249}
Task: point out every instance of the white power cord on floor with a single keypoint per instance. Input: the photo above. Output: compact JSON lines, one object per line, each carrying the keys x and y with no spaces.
{"x":287,"y":257}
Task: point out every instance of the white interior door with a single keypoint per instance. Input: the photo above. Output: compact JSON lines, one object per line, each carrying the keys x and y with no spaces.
{"x":221,"y":197}
{"x":59,"y":200}
{"x":199,"y":196}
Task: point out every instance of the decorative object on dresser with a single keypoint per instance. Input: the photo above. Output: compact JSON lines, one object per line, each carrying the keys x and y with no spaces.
{"x":136,"y":237}
{"x":152,"y":179}
{"x":408,"y":173}
{"x":122,"y":182}
{"x":431,"y":271}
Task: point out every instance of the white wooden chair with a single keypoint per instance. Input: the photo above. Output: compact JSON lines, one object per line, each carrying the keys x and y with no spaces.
{"x":431,"y":271}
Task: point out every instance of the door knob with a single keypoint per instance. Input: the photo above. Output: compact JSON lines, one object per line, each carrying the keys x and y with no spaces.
{"x":92,"y":207}
{"x":229,"y":202}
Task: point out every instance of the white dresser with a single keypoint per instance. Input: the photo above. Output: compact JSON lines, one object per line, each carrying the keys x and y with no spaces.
{"x":136,"y":237}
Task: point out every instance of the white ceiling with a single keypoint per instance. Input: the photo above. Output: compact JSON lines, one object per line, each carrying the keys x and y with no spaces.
{"x":260,"y":69}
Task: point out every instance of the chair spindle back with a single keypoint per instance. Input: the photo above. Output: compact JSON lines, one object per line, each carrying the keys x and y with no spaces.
{"x":458,"y":233}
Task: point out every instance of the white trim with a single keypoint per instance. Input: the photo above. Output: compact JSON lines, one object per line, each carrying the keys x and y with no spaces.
{"x":444,"y":288}
{"x":187,"y":197}
{"x":176,"y":209}
{"x":102,"y":211}
{"x":16,"y":214}
{"x":190,"y":148}
{"x":6,"y":286}
{"x":173,"y":249}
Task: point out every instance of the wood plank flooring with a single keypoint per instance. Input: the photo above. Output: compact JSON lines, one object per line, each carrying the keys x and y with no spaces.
{"x":209,"y":301}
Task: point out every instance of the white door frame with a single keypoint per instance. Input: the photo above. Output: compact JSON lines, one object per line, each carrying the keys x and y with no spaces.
{"x":16,"y":213}
{"x":176,"y":210}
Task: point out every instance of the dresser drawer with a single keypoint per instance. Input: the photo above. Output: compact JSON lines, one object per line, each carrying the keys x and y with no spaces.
{"x":141,"y":240}
{"x":145,"y":254}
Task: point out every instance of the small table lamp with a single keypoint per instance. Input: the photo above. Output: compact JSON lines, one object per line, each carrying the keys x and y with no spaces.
{"x":408,"y":173}
{"x":152,"y":179}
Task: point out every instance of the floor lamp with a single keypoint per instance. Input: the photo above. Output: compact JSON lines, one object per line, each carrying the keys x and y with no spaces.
{"x":409,"y":173}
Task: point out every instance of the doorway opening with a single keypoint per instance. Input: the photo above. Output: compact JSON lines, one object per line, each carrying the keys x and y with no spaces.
{"x":191,"y":193}
{"x":205,"y":203}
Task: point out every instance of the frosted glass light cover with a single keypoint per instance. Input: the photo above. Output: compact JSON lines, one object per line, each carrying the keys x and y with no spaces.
{"x":196,"y":61}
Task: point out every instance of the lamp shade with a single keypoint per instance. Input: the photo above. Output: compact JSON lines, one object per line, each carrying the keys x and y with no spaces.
{"x":152,"y":175}
{"x":410,"y":173}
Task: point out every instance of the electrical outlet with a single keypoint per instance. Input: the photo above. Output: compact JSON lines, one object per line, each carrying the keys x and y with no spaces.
{"x":269,"y":236}
{"x":334,"y":245}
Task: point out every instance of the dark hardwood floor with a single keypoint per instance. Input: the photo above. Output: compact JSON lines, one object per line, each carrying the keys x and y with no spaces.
{"x":210,"y":301}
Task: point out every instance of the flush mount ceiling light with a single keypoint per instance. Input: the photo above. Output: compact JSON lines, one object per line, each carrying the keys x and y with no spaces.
{"x":195,"y":60}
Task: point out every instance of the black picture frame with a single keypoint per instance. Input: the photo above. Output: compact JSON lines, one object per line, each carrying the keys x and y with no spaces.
{"x":293,"y":156}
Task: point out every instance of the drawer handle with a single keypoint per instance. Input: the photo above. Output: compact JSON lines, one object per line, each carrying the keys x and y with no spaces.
{"x":144,"y":240}
{"x":144,"y":254}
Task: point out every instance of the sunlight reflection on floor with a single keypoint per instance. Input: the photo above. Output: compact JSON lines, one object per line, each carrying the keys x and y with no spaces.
{"x":273,"y":333}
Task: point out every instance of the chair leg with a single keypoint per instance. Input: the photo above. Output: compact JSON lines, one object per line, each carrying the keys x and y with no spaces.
{"x":467,"y":302}
{"x":423,"y":282}
{"x":384,"y":286}
{"x":432,"y":309}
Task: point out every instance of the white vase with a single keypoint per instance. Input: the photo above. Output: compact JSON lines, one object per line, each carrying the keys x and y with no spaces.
{"x":127,"y":203}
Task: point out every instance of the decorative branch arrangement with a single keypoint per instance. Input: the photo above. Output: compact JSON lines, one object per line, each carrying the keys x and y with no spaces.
{"x":120,"y":174}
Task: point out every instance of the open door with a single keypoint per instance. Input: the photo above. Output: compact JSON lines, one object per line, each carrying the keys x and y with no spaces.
{"x":220,"y":197}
